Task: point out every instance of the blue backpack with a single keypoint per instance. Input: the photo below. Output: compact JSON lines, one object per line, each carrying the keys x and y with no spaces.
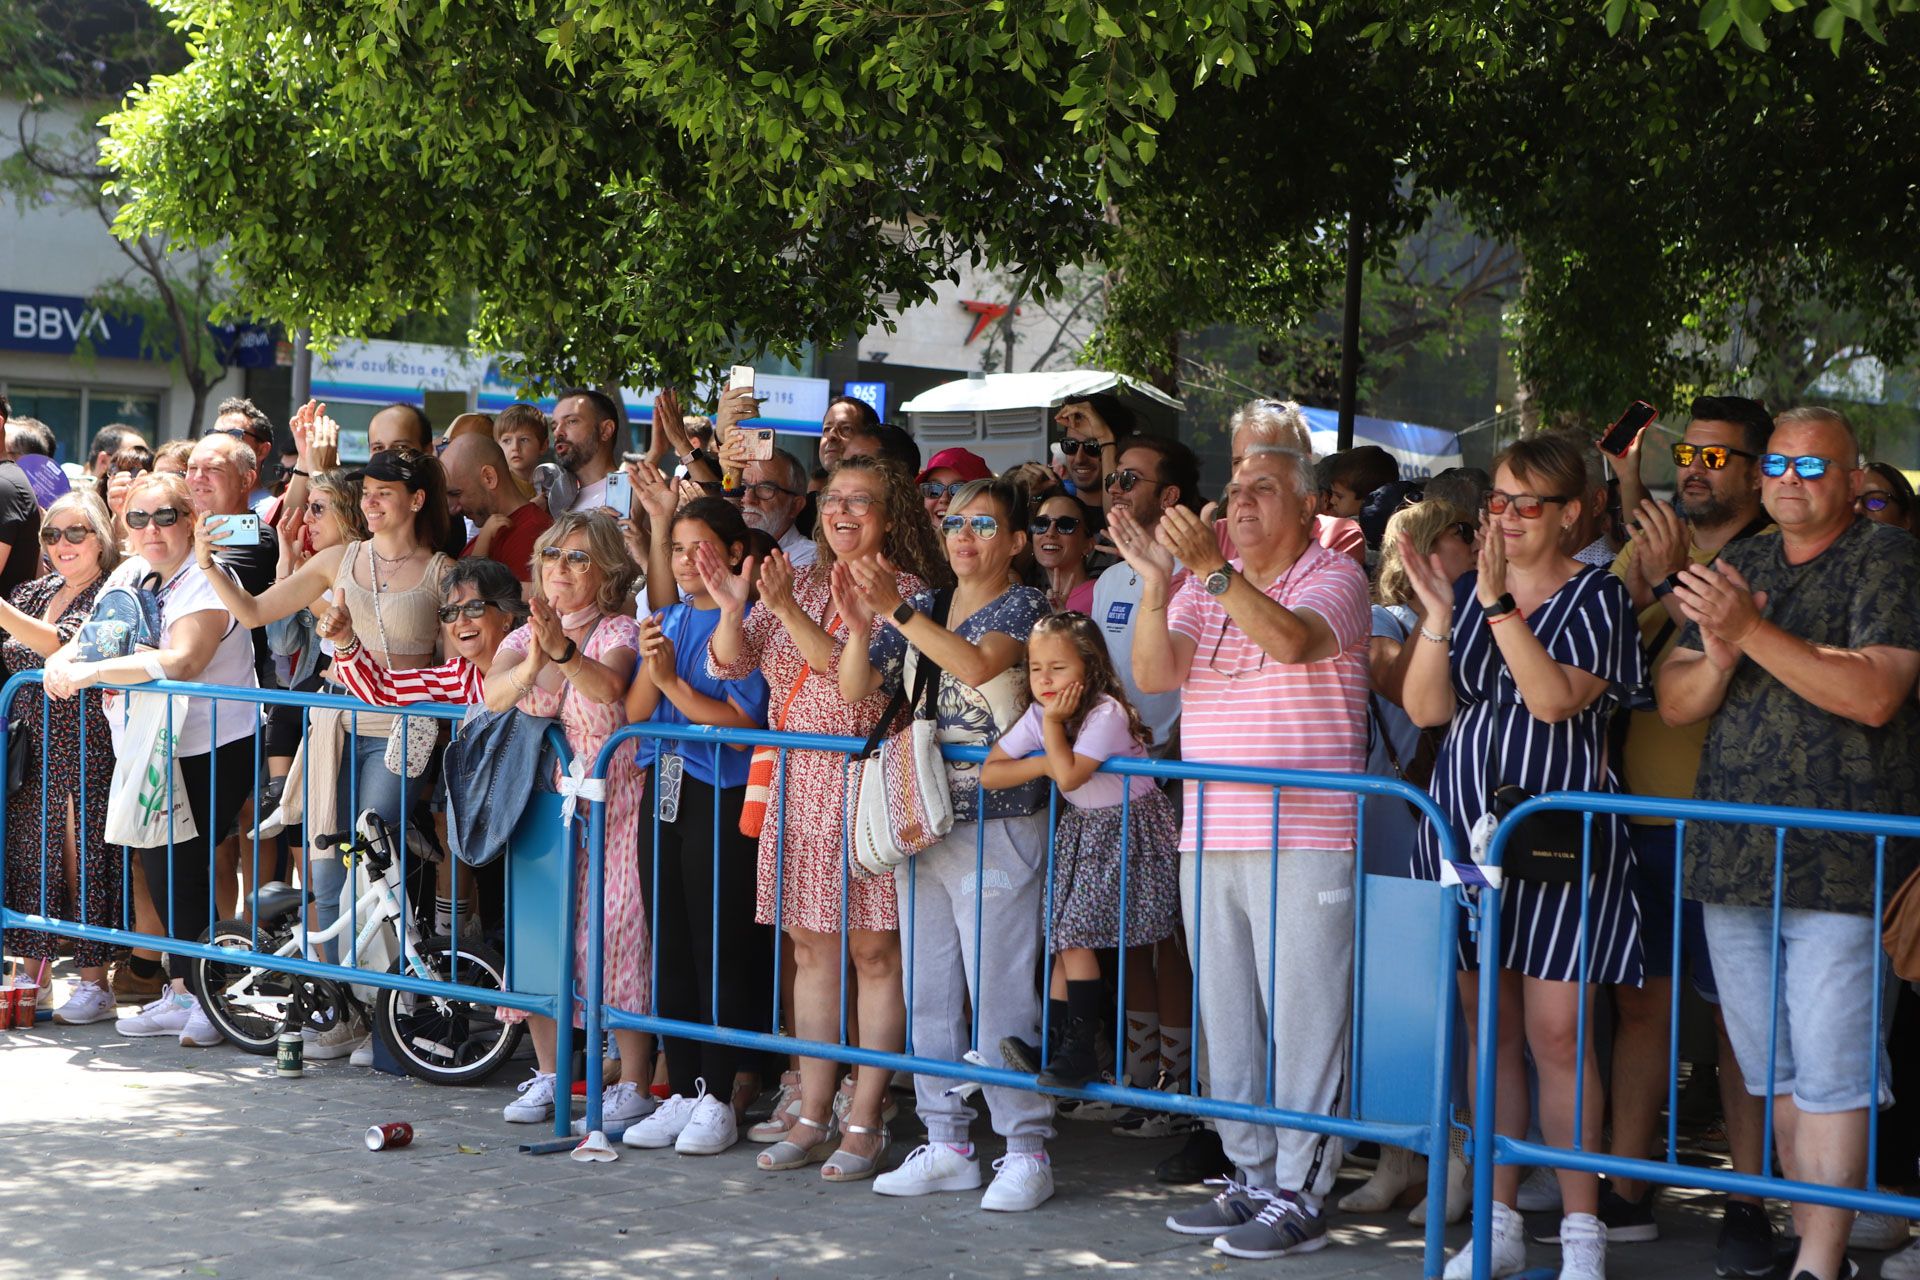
{"x":125,"y":617}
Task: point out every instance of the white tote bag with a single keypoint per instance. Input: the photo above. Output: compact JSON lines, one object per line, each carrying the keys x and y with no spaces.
{"x":138,"y":810}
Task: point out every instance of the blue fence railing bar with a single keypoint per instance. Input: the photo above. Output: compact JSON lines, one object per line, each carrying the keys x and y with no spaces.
{"x":1508,"y":1150}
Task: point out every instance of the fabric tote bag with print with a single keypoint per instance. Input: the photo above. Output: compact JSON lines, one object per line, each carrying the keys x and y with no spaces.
{"x":148,"y":800}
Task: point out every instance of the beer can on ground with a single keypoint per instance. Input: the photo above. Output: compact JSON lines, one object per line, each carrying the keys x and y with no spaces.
{"x":382,"y":1137}
{"x":289,"y":1057}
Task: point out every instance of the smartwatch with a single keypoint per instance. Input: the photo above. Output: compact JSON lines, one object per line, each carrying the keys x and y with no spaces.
{"x":1217,"y":582}
{"x":903,"y":615}
{"x":1502,"y":607}
{"x":1664,"y":588}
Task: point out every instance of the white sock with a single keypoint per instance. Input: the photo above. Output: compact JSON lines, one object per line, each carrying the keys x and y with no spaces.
{"x":1176,"y":1053}
{"x":1143,"y":1047}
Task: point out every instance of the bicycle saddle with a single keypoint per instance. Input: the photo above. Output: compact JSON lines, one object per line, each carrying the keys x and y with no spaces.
{"x":275,"y":901}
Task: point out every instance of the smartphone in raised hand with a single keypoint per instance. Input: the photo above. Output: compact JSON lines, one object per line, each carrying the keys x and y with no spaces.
{"x":1620,"y":436}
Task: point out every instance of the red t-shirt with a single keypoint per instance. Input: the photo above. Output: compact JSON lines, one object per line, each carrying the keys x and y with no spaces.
{"x":514,"y":548}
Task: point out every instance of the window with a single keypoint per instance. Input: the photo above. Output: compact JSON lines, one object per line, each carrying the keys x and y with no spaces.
{"x":75,"y":413}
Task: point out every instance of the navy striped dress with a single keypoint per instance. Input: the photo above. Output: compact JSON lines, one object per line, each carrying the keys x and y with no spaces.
{"x":1588,"y":623}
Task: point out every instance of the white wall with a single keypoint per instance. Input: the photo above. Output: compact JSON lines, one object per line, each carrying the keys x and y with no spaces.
{"x":934,"y":334}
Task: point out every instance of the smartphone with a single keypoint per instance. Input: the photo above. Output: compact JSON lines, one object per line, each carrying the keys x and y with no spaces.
{"x":243,"y":530}
{"x":757,"y":444}
{"x":741,"y":376}
{"x":620,"y":494}
{"x":1620,"y":436}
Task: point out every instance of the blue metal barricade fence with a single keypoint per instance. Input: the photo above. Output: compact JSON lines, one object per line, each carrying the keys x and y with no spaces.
{"x":444,"y":986}
{"x":1419,"y":922}
{"x":1513,"y":1150}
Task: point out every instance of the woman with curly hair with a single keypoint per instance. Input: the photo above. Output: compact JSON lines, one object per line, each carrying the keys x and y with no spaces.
{"x":795,"y":637}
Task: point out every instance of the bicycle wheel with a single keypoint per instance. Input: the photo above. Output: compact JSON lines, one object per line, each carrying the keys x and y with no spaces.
{"x":448,"y":1041}
{"x":248,"y":1003}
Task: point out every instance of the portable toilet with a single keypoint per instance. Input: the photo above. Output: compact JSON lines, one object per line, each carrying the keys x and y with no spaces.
{"x":1007,"y":418}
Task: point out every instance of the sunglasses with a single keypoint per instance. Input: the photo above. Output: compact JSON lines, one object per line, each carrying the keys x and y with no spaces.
{"x":576,"y":559}
{"x":1125,"y":480}
{"x":1807,"y":466}
{"x":1073,"y":445}
{"x":934,"y":489}
{"x":762,"y":491}
{"x":1465,"y":530}
{"x":164,"y":517}
{"x":984,"y":528}
{"x":1040,"y":525}
{"x":76,"y":534}
{"x":319,"y":509}
{"x":1712,"y":456}
{"x":1529,"y":505}
{"x":472,"y":608}
{"x":1875,"y":501}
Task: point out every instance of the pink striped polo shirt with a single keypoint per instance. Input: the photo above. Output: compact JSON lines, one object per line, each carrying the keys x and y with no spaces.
{"x":1240,"y":706}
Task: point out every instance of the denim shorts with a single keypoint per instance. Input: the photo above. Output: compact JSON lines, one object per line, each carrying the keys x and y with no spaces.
{"x":1653,"y":889}
{"x":1826,"y":1044}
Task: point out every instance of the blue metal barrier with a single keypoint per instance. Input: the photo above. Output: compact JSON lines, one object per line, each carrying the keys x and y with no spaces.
{"x":1428,"y":1135}
{"x":547,"y":1004}
{"x":1509,"y":1150}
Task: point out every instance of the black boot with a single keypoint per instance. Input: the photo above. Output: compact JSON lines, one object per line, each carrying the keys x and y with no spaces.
{"x":1074,"y":1061}
{"x":1201,"y":1158}
{"x":1025,"y":1055}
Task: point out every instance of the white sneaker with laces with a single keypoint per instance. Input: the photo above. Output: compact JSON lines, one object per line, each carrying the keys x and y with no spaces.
{"x":199,"y":1031}
{"x":1876,"y":1232}
{"x":662,"y":1128}
{"x":710,"y":1130}
{"x":1021,"y":1180}
{"x":166,"y":1016}
{"x":1539,"y":1192}
{"x":931,"y":1167}
{"x":621,"y":1106}
{"x":1904,"y":1265}
{"x":362,"y":1055}
{"x":1583,"y":1248}
{"x":1509,"y":1248}
{"x":535,"y":1102}
{"x":337,"y":1041}
{"x":89,"y":1003}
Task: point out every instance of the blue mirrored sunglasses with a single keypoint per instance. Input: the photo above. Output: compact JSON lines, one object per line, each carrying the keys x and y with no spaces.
{"x":1807,"y":466}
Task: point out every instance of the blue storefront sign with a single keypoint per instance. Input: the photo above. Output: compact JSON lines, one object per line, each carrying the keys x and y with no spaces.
{"x":54,"y":324}
{"x":874,"y":393}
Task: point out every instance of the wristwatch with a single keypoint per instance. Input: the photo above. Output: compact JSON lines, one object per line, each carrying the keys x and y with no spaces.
{"x":1502,"y":607}
{"x":1217,"y":582}
{"x":1664,"y":588}
{"x":903,"y":615}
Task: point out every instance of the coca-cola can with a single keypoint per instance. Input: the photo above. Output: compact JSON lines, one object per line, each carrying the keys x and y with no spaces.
{"x":6,"y":1009}
{"x":26,"y":1004}
{"x":385,"y":1137}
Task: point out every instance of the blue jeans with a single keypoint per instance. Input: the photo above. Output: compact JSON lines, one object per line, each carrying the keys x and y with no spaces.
{"x":365,"y":783}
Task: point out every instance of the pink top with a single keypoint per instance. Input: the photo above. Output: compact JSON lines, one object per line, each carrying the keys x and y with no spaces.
{"x":1104,"y":735}
{"x":1335,"y":533}
{"x":1240,"y":706}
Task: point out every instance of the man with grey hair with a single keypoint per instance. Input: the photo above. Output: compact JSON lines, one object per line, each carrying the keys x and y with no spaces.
{"x":1281,"y":424}
{"x":239,"y":418}
{"x":771,"y":495}
{"x":1269,"y":654}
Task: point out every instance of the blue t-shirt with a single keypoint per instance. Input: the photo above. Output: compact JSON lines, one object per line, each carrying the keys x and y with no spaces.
{"x":690,"y":629}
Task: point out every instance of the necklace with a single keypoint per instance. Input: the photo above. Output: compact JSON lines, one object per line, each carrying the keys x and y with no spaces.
{"x":379,"y":622}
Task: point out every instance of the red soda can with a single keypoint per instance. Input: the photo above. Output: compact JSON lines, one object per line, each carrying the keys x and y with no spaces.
{"x":384,"y":1137}
{"x":6,"y":1009}
{"x":26,"y":1005}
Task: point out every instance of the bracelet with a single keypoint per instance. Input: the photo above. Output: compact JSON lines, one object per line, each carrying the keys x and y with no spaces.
{"x":566,"y":655}
{"x":1495,"y":619}
{"x":295,"y":471}
{"x":1434,"y":636}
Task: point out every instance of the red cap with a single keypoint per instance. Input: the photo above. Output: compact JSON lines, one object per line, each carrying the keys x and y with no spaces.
{"x":969,"y":464}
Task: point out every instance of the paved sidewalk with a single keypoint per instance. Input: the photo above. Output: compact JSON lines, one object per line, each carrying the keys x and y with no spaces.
{"x":139,"y":1157}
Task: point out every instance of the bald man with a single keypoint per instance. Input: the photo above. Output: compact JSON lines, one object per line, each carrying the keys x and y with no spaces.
{"x":481,"y":487}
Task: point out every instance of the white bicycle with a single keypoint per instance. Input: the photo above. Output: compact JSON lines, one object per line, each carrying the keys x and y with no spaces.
{"x":436,"y":1039}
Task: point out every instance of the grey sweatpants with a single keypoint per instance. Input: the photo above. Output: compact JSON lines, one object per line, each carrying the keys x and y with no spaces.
{"x":1304,"y":1033}
{"x":940,"y":969}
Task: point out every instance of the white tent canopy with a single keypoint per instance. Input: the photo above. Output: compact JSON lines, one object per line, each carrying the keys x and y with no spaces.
{"x":992,"y":392}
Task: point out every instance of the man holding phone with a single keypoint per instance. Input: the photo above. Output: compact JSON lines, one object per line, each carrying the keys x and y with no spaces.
{"x":586,"y":434}
{"x":220,"y":473}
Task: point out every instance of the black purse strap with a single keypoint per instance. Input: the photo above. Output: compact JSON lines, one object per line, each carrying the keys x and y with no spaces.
{"x":926,"y":677}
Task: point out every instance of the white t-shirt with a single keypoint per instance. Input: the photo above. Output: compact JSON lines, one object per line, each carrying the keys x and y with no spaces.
{"x":800,"y":549}
{"x":592,"y":497}
{"x":1116,"y":608}
{"x":189,"y":592}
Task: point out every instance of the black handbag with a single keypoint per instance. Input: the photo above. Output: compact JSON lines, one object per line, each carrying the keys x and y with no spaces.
{"x":1545,"y":848}
{"x":19,"y":753}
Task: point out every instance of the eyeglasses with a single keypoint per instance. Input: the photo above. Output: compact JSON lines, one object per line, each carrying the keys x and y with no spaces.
{"x":1213,"y":659}
{"x":985,"y":528}
{"x":1807,"y":466}
{"x":1041,"y":525}
{"x":935,"y":490}
{"x":854,"y":504}
{"x":762,"y":491}
{"x":1125,"y":480}
{"x":76,"y":534}
{"x":474,"y":608}
{"x":1529,"y":505}
{"x":236,"y":433}
{"x":318,"y":509}
{"x":1712,"y":456}
{"x":1874,"y":500}
{"x":164,"y":517}
{"x":576,"y":559}
{"x":1074,"y":444}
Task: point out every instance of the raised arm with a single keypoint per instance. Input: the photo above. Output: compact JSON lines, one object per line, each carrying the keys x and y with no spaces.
{"x":1425,"y":684}
{"x":1161,"y":658}
{"x":972,"y":663}
{"x":1286,"y":635}
{"x":281,"y":600}
{"x":43,"y":638}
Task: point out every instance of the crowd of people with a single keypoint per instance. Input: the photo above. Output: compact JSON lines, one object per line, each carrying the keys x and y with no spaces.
{"x":1489,"y":636}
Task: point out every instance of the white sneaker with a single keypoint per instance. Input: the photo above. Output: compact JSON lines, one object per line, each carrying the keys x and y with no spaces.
{"x":931,"y":1167}
{"x":1021,"y":1181}
{"x":621,"y":1105}
{"x":1459,"y":1194}
{"x":1539,"y":1192}
{"x":166,"y":1016}
{"x":1509,"y":1248}
{"x":362,"y":1055}
{"x":340,"y":1040}
{"x":89,"y":1003}
{"x":199,"y":1032}
{"x":1583,"y":1248}
{"x":535,"y":1102}
{"x":1875,"y":1232}
{"x":711,"y":1129}
{"x":1904,"y":1265}
{"x":662,"y":1128}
